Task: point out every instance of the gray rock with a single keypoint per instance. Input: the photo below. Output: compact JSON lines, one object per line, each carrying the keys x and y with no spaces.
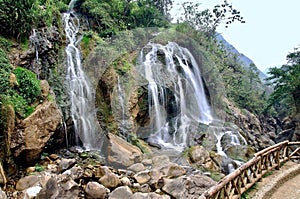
{"x":142,"y":177}
{"x":121,"y":192}
{"x":137,"y":167}
{"x":95,"y":190}
{"x":26,"y":182}
{"x":110,"y":180}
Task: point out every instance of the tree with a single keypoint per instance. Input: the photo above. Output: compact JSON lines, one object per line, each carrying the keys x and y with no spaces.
{"x":206,"y":20}
{"x":286,"y":81}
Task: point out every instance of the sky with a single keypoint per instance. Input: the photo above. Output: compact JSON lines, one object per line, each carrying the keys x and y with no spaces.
{"x":271,"y":31}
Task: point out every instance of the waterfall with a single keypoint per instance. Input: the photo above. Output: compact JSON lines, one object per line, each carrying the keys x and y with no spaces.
{"x":173,"y":77}
{"x":34,"y":39}
{"x":81,"y":93}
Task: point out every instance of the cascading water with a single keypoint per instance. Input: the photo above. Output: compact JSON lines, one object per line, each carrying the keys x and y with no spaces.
{"x":182,"y":77}
{"x":81,"y":93}
{"x":34,"y":40}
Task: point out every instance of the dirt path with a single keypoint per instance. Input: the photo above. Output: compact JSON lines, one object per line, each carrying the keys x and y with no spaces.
{"x":289,"y":190}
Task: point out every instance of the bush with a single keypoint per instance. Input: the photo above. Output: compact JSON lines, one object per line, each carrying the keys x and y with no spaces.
{"x":29,"y":86}
{"x":5,"y":70}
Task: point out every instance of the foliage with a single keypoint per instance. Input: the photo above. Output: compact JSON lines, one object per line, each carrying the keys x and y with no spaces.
{"x":110,"y":16}
{"x":206,"y":20}
{"x":286,"y":80}
{"x":29,"y":86}
{"x":5,"y":69}
{"x":18,"y":17}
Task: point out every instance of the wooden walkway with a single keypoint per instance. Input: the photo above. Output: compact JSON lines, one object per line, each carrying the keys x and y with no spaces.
{"x":235,"y":184}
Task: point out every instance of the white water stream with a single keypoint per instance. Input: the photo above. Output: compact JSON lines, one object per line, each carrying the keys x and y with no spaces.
{"x":81,"y":92}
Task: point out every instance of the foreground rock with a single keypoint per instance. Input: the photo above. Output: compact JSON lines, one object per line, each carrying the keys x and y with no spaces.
{"x":35,"y":131}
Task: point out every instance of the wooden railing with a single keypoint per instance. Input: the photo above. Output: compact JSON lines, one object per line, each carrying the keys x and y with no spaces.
{"x":235,"y":184}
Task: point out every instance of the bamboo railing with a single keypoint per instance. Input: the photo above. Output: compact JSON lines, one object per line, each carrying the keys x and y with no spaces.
{"x":236,"y":183}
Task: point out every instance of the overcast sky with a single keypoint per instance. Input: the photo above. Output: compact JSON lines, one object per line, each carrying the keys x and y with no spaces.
{"x":271,"y":31}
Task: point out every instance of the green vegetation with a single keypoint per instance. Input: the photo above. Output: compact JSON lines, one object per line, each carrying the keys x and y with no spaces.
{"x":245,"y":195}
{"x":28,"y":84}
{"x":285,"y":99}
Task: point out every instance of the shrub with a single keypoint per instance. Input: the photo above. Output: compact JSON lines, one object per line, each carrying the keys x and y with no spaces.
{"x":29,"y":86}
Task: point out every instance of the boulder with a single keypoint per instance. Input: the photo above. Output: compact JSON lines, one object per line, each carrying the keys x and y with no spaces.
{"x":95,"y":190}
{"x":121,"y":192}
{"x":35,"y":131}
{"x":110,"y":180}
{"x":121,"y":153}
{"x":45,"y":88}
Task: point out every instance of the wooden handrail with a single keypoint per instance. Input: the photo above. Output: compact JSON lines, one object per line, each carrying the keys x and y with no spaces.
{"x":236,"y":183}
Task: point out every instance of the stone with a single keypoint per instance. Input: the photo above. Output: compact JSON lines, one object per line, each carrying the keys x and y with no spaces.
{"x":66,"y":164}
{"x":53,"y":156}
{"x":3,"y":179}
{"x":198,"y":154}
{"x":30,"y":170}
{"x":35,"y":131}
{"x":175,"y":170}
{"x":110,"y":180}
{"x":122,"y":153}
{"x":151,"y":195}
{"x":75,"y":172}
{"x":121,"y":192}
{"x":95,"y":190}
{"x":175,"y":187}
{"x":147,"y":162}
{"x":125,"y":181}
{"x":137,"y":167}
{"x":32,"y":192}
{"x":142,"y":177}
{"x":45,"y":88}
{"x":2,"y":194}
{"x":26,"y":182}
{"x":145,"y":188}
{"x":50,"y":189}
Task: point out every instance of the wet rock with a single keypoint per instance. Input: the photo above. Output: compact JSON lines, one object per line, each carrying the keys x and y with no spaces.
{"x":121,"y":153}
{"x":151,"y":195}
{"x":26,"y":182}
{"x":142,"y":177}
{"x":121,"y":192}
{"x":137,"y":167}
{"x":66,"y":164}
{"x":110,"y":180}
{"x":95,"y":190}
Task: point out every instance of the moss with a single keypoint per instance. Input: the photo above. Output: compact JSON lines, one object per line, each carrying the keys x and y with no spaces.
{"x":122,"y":65}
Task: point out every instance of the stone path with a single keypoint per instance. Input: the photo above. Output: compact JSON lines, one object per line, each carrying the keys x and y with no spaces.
{"x":289,"y":190}
{"x":281,"y":184}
